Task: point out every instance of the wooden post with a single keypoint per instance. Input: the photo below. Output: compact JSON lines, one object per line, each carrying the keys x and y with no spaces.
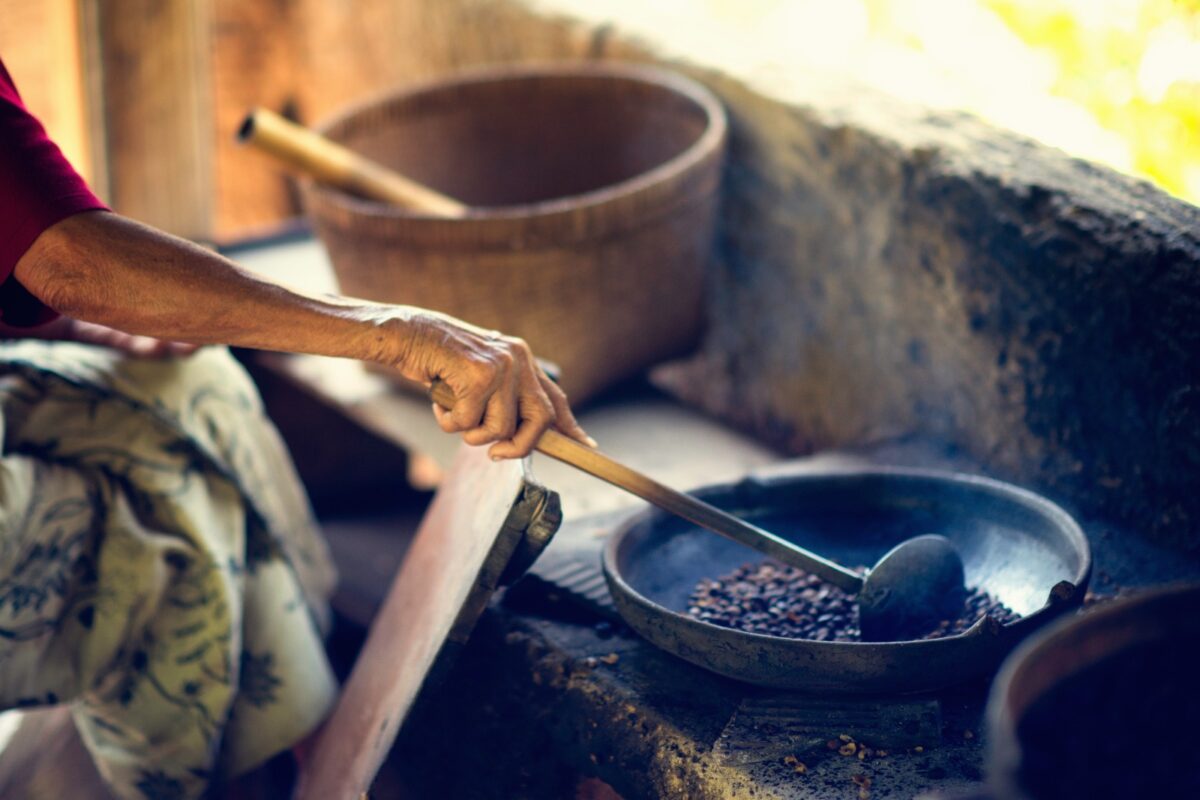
{"x":149,"y":86}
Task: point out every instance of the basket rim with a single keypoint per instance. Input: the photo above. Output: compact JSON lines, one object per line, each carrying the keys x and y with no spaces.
{"x":652,"y":188}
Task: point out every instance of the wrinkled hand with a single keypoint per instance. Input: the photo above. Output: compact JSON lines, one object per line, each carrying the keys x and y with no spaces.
{"x":504,"y":397}
{"x":65,"y":329}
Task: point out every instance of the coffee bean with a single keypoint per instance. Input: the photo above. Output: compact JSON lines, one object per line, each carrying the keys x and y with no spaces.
{"x":776,"y":599}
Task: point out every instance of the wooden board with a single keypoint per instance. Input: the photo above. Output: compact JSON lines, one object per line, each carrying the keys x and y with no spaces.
{"x":453,"y":566}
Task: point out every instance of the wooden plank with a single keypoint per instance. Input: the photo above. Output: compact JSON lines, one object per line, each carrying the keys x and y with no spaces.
{"x":152,"y":59}
{"x":452,"y":567}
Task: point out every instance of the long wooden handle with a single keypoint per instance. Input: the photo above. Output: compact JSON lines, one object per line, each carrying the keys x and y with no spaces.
{"x":698,"y":512}
{"x":312,"y":154}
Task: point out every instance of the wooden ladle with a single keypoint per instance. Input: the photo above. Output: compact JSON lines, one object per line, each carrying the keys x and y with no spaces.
{"x":309,"y":153}
{"x":914,"y":586}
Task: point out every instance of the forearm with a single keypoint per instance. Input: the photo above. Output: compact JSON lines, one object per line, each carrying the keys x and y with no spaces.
{"x":109,"y":270}
{"x":103,"y":269}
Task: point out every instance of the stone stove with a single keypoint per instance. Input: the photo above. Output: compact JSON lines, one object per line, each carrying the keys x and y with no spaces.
{"x":565,"y":690}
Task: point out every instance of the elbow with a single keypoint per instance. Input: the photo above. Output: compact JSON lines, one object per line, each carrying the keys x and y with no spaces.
{"x":59,"y":270}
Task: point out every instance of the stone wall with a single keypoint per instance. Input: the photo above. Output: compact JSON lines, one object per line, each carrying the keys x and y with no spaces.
{"x":888,"y":274}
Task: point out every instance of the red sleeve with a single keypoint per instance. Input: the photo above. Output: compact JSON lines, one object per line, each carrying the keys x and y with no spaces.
{"x":38,"y":187}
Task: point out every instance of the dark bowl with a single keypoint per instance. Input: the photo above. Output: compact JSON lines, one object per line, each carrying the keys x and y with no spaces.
{"x":1102,"y":705}
{"x":1016,"y":545}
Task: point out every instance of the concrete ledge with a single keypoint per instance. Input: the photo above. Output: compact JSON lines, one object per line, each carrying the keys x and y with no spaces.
{"x":890,"y":274}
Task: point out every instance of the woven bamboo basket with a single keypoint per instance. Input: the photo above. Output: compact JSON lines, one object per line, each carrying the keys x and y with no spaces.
{"x":592,"y":189}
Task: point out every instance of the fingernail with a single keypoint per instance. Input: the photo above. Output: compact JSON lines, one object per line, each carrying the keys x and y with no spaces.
{"x":593,"y":442}
{"x":497,"y":458}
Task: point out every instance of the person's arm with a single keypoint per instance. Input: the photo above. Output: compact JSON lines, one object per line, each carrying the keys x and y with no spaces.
{"x":102,"y":268}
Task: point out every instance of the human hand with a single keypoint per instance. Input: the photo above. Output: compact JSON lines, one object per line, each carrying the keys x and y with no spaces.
{"x":502,"y":395}
{"x":66,"y":329}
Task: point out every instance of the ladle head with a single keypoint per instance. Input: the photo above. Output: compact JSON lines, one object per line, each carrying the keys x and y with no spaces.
{"x":916,"y":585}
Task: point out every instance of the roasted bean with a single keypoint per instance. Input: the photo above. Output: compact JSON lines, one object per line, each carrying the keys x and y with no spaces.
{"x":772,"y":598}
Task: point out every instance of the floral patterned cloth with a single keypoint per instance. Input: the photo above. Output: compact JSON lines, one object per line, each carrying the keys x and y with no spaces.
{"x":160,"y":570}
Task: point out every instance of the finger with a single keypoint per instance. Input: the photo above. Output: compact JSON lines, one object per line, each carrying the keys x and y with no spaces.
{"x":153,"y":348}
{"x":564,"y":418}
{"x":140,"y":346}
{"x":137,"y":346}
{"x":181,"y":348}
{"x":537,"y":414}
{"x":500,"y":420}
{"x":162,"y":348}
{"x":471,"y":401}
{"x":444,"y":420}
